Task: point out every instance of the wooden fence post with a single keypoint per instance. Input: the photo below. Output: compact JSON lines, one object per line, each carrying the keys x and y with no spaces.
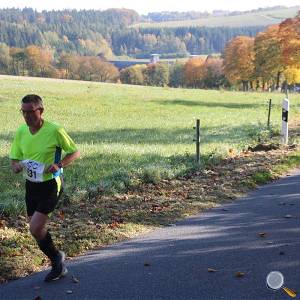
{"x":269,"y":113}
{"x":285,"y":119}
{"x":197,"y":140}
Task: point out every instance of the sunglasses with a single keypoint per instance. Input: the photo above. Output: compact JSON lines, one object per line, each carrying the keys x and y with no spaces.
{"x":29,"y":111}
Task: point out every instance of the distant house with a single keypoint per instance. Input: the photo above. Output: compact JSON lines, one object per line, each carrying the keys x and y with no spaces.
{"x":220,"y":13}
{"x":154,"y":58}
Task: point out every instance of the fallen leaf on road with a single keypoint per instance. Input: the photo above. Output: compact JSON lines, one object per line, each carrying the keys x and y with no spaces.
{"x":146,"y":264}
{"x":210,"y":270}
{"x":239,"y":274}
{"x":74,"y":279}
{"x":156,"y":208}
{"x":2,"y":224}
{"x":98,"y":226}
{"x":61,"y":214}
{"x":113,"y":225}
{"x":262,"y":234}
{"x":146,"y":198}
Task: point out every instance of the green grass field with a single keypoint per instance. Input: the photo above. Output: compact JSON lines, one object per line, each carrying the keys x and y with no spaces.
{"x":263,"y":18}
{"x":132,"y":134}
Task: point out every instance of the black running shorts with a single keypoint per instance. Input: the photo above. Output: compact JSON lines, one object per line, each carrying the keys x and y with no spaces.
{"x":42,"y":196}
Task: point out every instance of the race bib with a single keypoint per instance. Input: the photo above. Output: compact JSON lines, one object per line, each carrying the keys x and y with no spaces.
{"x":33,"y":170}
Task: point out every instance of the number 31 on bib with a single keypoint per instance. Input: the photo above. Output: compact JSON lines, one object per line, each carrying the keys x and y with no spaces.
{"x":33,"y":170}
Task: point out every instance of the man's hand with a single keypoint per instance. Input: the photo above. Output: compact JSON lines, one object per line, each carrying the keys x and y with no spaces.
{"x":16,"y":166}
{"x":52,"y":169}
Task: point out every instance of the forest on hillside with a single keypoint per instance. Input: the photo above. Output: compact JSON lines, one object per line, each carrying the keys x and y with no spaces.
{"x":108,"y":33}
{"x":268,"y":60}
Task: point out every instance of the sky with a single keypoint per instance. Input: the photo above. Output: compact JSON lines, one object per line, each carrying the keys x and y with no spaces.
{"x":145,"y":6}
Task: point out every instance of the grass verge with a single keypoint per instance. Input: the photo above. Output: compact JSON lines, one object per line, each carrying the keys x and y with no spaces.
{"x":132,"y":134}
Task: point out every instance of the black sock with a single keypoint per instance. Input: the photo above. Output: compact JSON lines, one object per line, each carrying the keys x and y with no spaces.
{"x":47,"y":246}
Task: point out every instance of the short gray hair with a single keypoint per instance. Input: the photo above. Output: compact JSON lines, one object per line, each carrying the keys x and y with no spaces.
{"x":32,"y":98}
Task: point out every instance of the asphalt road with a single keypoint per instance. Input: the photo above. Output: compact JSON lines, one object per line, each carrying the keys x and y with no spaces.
{"x":173,"y":262}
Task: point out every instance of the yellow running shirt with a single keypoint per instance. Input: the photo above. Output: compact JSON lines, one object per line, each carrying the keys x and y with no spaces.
{"x":40,"y":150}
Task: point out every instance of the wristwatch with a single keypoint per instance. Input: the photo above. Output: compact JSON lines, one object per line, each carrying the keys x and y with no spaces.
{"x":59,"y":164}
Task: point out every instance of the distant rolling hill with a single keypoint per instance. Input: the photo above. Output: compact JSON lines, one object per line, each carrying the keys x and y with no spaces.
{"x":264,"y":17}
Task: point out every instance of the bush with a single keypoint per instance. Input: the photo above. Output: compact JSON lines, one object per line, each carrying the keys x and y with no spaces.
{"x":133,"y":75}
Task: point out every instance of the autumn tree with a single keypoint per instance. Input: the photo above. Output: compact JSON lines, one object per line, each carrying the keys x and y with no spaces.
{"x":156,"y":74}
{"x":4,"y":58}
{"x":94,"y":69}
{"x":85,"y":68}
{"x":133,"y":75}
{"x":213,"y":76}
{"x":239,"y":61}
{"x":194,"y":72}
{"x":69,"y":64}
{"x":18,"y":61}
{"x":292,"y":75}
{"x":149,"y":41}
{"x":96,"y":47}
{"x":268,"y":59}
{"x":46,"y":62}
{"x":107,"y":72}
{"x":176,"y":75}
{"x":289,"y":31}
{"x":38,"y":60}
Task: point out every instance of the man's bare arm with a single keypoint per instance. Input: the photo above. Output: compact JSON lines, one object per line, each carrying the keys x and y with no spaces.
{"x":67,"y":160}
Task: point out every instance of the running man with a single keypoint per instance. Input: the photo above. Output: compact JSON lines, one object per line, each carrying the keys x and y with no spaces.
{"x":37,"y":151}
